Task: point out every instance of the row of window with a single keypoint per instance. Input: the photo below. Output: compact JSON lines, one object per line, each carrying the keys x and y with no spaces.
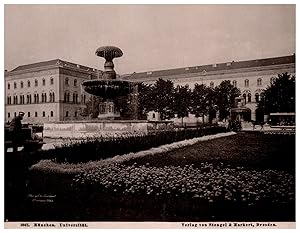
{"x":247,"y":97}
{"x":75,"y":98}
{"x":29,"y":99}
{"x":36,"y":83}
{"x":246,"y":82}
{"x":35,"y":114}
{"x":44,"y":98}
{"x":67,"y":82}
{"x":43,"y":114}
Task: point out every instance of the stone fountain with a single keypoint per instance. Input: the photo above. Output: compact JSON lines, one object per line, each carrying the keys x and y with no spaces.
{"x":108,"y":87}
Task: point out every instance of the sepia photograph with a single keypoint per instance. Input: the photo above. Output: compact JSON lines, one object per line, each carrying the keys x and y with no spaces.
{"x":149,"y":116}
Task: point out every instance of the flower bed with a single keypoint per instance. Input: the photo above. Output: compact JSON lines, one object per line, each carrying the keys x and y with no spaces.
{"x":215,"y":180}
{"x":208,"y":182}
{"x":49,"y":166}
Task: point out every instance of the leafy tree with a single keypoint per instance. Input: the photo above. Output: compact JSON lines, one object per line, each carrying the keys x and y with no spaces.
{"x":225,"y":93}
{"x":182,"y":101}
{"x":202,"y":100}
{"x":92,"y":107}
{"x":145,"y":100}
{"x":163,"y":98}
{"x":125,"y":105}
{"x":280,"y":95}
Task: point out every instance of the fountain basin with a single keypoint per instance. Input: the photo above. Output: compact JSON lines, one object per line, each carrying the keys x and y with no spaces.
{"x":107,"y":89}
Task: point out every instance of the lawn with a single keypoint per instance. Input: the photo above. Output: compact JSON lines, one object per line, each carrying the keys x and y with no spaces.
{"x":245,"y":177}
{"x":250,"y":150}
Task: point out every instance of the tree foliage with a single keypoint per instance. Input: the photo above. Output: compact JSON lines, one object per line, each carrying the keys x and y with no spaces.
{"x":145,"y":100}
{"x":201,"y":100}
{"x":182,"y":103}
{"x":225,"y":93}
{"x":163,"y":98}
{"x":91,"y":109}
{"x":280,"y":95}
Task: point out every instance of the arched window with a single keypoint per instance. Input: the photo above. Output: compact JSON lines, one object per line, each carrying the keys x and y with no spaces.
{"x":67,"y":81}
{"x":7,"y":100}
{"x":51,"y":81}
{"x":75,"y":114}
{"x":28,"y":99}
{"x":8,"y":86}
{"x":75,"y":82}
{"x":36,"y":82}
{"x":259,"y":82}
{"x":15,"y":99}
{"x":45,"y":97}
{"x":244,"y":96}
{"x":67,"y":97}
{"x":44,"y":82}
{"x":234,"y":83}
{"x":256,"y":97}
{"x":28,"y":83}
{"x":67,"y":113}
{"x":8,"y":114}
{"x":246,"y":83}
{"x":53,"y":97}
{"x":249,"y":97}
{"x":51,"y":113}
{"x":15,"y":85}
{"x":211,"y":84}
{"x":22,"y":84}
{"x":74,"y":98}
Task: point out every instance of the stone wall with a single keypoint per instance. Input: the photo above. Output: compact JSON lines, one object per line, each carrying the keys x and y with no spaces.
{"x":84,"y":129}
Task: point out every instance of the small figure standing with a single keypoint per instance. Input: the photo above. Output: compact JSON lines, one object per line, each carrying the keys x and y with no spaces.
{"x":15,"y":127}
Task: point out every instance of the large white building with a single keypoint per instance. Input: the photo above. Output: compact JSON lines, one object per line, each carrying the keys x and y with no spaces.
{"x":251,"y":76}
{"x":47,"y":91}
{"x":51,"y":91}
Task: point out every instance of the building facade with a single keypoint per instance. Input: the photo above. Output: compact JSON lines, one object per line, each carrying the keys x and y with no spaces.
{"x":251,"y":77}
{"x":47,"y":91}
{"x":51,"y":91}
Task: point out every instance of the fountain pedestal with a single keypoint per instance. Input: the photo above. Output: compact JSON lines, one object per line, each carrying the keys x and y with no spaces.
{"x":107,"y":110}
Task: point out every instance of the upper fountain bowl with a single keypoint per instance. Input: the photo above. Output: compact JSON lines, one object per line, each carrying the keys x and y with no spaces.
{"x":109,"y":52}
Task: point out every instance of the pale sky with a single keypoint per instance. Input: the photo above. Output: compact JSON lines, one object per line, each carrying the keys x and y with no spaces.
{"x":151,"y":37}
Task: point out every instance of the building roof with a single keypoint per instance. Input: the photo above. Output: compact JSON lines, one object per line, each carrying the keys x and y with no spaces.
{"x":55,"y":62}
{"x":214,"y":67}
